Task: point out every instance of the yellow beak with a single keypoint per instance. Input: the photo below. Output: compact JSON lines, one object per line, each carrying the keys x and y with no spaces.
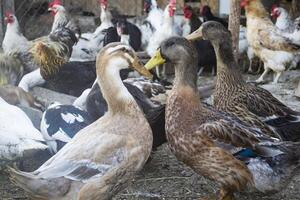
{"x":138,"y":66}
{"x":156,"y":60}
{"x":196,"y":35}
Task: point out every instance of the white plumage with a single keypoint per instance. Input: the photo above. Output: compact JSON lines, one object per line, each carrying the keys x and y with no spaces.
{"x":86,"y":49}
{"x":13,"y":39}
{"x":17,"y":133}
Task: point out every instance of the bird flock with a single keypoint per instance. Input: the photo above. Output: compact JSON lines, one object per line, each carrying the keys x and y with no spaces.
{"x":124,"y":109}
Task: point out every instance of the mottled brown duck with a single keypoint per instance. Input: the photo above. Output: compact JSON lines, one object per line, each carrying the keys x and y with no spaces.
{"x":250,"y":103}
{"x":215,"y":144}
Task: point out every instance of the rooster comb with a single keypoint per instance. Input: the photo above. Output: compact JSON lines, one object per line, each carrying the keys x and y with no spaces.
{"x":103,"y":2}
{"x":274,"y":7}
{"x":173,"y":2}
{"x":8,"y":13}
{"x":55,"y":2}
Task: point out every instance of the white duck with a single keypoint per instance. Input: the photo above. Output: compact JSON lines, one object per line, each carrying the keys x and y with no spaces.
{"x":101,"y":158}
{"x":86,"y":49}
{"x":19,"y":138}
{"x":13,"y":39}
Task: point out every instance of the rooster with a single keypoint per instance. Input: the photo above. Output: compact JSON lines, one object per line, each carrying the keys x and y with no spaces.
{"x":46,"y":55}
{"x":13,"y":38}
{"x":270,"y":46}
{"x":62,"y":18}
{"x":191,"y":21}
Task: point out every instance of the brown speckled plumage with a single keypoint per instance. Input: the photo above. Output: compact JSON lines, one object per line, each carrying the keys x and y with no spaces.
{"x":251,"y":104}
{"x":196,"y":132}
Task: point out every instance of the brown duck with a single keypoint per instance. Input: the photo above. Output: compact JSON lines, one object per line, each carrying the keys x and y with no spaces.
{"x":215,"y":144}
{"x":251,"y":104}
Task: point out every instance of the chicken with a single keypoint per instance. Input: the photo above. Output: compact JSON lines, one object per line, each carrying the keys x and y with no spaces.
{"x":90,"y":44}
{"x":62,"y":18}
{"x":267,"y":44}
{"x":288,"y":29}
{"x":166,"y":29}
{"x":208,"y":16}
{"x":13,"y":39}
{"x":152,"y":22}
{"x":283,"y":20}
{"x":45,"y":57}
{"x":191,"y":21}
{"x":295,"y":36}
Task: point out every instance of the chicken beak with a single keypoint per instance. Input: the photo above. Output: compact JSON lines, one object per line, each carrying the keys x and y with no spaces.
{"x":156,"y":60}
{"x":138,"y":66}
{"x":50,"y":9}
{"x":196,"y":35}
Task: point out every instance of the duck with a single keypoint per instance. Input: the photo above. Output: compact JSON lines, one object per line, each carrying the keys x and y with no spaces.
{"x":101,"y":158}
{"x":19,"y":138}
{"x":213,"y":143}
{"x":60,"y":123}
{"x":248,"y":102}
{"x":154,"y":112}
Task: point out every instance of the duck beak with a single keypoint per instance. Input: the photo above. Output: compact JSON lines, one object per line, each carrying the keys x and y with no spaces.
{"x":156,"y":60}
{"x":138,"y":66}
{"x":196,"y":35}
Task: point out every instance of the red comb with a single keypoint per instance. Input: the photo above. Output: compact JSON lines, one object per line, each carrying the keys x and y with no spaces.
{"x":173,"y":2}
{"x":103,"y":2}
{"x":8,"y":13}
{"x":55,"y":2}
{"x":274,"y":7}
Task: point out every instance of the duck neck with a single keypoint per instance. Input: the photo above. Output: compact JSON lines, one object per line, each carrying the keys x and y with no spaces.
{"x":114,"y":92}
{"x":186,"y":73}
{"x":227,"y":69}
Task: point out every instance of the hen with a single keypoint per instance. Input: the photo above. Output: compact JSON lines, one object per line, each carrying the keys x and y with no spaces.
{"x":13,"y":38}
{"x":90,"y":44}
{"x":269,"y":45}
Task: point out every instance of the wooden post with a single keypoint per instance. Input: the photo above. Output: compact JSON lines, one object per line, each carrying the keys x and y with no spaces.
{"x":234,"y":25}
{"x":5,"y":5}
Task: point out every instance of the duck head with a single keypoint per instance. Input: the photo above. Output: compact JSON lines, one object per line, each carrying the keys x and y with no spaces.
{"x":182,"y":55}
{"x":121,"y":56}
{"x":9,"y":17}
{"x":55,"y":7}
{"x":211,"y":30}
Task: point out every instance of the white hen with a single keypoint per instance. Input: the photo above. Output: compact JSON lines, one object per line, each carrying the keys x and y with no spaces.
{"x":19,"y":137}
{"x":165,"y":31}
{"x":13,"y":39}
{"x":86,"y":49}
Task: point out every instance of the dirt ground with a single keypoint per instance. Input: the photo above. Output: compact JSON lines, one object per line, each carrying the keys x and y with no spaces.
{"x":166,"y":178}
